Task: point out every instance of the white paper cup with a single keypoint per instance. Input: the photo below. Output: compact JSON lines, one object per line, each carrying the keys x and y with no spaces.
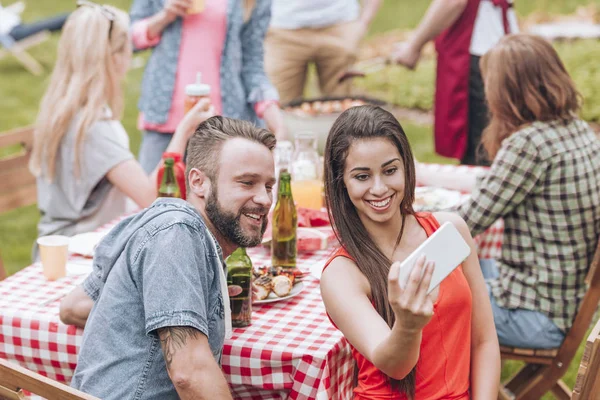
{"x":54,"y":251}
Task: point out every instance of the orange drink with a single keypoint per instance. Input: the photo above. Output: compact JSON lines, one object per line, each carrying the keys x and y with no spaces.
{"x":308,"y":193}
{"x":197,"y":7}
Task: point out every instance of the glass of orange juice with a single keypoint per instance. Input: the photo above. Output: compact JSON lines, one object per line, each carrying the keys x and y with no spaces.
{"x":308,"y":193}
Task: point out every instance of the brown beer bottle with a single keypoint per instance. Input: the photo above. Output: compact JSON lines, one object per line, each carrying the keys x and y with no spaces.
{"x":168,"y":185}
{"x":285,"y":221}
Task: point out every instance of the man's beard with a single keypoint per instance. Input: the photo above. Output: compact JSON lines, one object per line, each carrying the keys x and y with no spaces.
{"x":229,"y":225}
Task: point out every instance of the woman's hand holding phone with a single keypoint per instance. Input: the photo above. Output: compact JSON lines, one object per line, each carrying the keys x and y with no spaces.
{"x":412,"y":306}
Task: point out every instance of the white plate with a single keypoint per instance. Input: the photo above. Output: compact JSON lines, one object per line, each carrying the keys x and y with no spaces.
{"x":85,"y":243}
{"x":272,"y":297}
{"x":436,"y":199}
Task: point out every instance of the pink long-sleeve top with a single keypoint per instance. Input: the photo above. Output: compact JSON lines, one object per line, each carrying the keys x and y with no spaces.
{"x":202,"y":42}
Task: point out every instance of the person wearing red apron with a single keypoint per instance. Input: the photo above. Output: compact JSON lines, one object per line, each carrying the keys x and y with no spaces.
{"x":463,"y":30}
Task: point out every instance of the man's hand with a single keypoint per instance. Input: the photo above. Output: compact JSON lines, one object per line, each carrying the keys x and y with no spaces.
{"x":406,"y":54}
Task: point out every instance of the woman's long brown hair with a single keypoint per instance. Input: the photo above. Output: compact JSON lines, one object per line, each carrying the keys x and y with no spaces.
{"x":525,"y":81}
{"x":358,"y":123}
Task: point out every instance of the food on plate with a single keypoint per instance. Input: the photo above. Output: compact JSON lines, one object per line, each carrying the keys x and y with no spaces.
{"x":263,"y":286}
{"x":282,"y":285}
{"x":293,"y":274}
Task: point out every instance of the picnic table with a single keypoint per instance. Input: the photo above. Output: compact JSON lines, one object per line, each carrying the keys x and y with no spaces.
{"x":291,"y":350}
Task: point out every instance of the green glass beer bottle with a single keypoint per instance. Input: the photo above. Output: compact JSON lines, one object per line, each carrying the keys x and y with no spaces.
{"x":239,"y":285}
{"x":168,"y":185}
{"x":285,"y":221}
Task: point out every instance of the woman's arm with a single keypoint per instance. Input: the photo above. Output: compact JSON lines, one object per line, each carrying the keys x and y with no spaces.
{"x":485,"y":350}
{"x":513,"y":176}
{"x":146,"y":27}
{"x":130,"y":178}
{"x":394,"y":351}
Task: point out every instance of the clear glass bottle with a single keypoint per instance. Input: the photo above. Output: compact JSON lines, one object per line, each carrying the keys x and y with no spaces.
{"x":307,"y":183}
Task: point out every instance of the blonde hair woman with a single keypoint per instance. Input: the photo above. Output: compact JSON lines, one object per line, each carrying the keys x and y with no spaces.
{"x":544,"y":182}
{"x":81,"y":151}
{"x":223,"y":40}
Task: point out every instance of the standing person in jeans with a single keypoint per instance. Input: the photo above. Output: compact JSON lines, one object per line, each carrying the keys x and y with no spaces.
{"x":463,"y":30}
{"x":544,"y":183}
{"x":326,"y":32}
{"x":224,"y":42}
{"x":159,"y":282}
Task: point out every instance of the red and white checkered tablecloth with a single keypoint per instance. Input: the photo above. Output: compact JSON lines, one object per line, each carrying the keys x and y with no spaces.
{"x":291,"y":350}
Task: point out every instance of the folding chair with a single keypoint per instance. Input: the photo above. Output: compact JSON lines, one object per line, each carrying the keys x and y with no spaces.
{"x":17,"y":184}
{"x":14,"y":379}
{"x":545,"y":368}
{"x":587,"y":386}
{"x":18,"y":49}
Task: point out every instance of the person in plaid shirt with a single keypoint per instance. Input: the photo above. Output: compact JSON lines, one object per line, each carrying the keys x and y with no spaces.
{"x":545,"y":183}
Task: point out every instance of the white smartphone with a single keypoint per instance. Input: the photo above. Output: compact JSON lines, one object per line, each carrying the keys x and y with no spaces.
{"x":445,"y":247}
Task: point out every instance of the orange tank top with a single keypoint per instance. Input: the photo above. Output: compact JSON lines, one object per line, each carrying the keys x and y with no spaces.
{"x":443,"y":368}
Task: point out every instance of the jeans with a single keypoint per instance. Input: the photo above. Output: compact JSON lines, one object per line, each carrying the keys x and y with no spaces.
{"x":152,"y":148}
{"x":518,"y":327}
{"x":22,"y":31}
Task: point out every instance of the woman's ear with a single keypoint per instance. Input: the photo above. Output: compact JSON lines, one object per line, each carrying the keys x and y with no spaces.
{"x":199,"y":183}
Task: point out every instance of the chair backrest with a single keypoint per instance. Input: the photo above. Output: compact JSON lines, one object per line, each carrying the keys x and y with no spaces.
{"x":588,"y":377}
{"x":14,"y":379}
{"x":585,"y":315}
{"x":17,"y":184}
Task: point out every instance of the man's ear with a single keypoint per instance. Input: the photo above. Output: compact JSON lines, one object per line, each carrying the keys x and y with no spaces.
{"x":199,"y":183}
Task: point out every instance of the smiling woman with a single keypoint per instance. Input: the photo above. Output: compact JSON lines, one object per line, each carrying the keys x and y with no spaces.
{"x":370,"y":187}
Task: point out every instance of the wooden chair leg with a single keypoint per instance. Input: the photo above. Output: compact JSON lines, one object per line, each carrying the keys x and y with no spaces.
{"x":28,"y":61}
{"x":504,"y":394}
{"x":541,"y":384}
{"x":561,"y":391}
{"x":524,"y":375}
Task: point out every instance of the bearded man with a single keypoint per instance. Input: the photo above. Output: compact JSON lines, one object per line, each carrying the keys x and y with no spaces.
{"x":159,"y":281}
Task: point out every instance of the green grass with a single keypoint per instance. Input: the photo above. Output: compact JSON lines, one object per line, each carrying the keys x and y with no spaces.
{"x":21,"y":93}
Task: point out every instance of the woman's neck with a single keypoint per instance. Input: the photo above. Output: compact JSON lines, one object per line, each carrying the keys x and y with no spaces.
{"x":385,"y":234}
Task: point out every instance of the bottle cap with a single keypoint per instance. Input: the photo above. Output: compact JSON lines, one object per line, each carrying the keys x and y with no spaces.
{"x":169,"y":162}
{"x":197,"y":88}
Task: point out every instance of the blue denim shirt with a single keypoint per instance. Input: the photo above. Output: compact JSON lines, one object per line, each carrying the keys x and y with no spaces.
{"x":243,"y":78}
{"x":154,"y":269}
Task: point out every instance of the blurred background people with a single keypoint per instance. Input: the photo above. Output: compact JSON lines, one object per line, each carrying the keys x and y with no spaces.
{"x":81,"y":158}
{"x":544,"y":183}
{"x":224,"y":42}
{"x":326,"y":32}
{"x":463,"y":30}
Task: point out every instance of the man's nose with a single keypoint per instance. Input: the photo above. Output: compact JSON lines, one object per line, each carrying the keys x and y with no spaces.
{"x":264,"y":198}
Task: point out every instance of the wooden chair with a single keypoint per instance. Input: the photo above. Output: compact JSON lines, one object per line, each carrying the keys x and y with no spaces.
{"x":14,"y":379}
{"x":587,"y":386}
{"x":545,"y":368}
{"x":17,"y":184}
{"x":18,"y":49}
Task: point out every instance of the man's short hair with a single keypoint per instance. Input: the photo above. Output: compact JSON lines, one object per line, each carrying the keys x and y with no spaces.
{"x":204,"y":147}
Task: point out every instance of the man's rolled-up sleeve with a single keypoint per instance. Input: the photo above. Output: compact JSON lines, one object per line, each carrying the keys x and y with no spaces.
{"x":175,"y":278}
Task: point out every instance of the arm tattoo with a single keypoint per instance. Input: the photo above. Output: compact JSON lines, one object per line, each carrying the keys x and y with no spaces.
{"x":173,"y":338}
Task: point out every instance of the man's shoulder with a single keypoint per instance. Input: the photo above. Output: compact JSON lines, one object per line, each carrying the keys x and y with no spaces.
{"x":168,"y":213}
